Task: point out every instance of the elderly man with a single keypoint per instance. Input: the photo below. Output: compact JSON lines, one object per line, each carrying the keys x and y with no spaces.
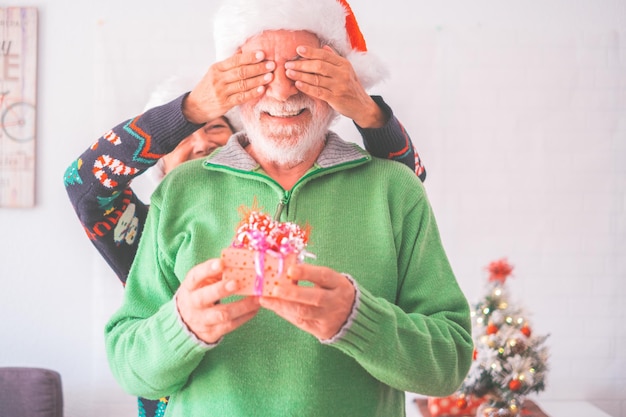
{"x":377,"y":313}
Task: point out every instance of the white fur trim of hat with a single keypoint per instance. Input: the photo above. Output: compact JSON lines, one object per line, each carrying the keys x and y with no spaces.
{"x":331,"y":20}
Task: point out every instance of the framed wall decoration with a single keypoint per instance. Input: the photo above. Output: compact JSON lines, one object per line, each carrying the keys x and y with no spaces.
{"x":18,"y":95}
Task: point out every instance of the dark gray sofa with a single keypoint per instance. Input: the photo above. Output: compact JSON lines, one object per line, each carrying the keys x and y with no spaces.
{"x":30,"y":392}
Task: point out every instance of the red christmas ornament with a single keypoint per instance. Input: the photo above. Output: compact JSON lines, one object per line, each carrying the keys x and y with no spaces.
{"x":515,"y":385}
{"x":492,"y":329}
{"x":499,"y":270}
{"x":475,"y":354}
{"x":461,"y":402}
{"x":526,"y":330}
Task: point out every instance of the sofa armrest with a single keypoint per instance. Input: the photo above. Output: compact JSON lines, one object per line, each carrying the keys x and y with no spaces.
{"x":30,"y":392}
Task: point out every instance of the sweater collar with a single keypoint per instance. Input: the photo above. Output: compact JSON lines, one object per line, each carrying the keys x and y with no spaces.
{"x":335,"y":152}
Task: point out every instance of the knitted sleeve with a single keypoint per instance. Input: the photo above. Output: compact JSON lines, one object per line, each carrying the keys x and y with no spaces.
{"x":422,"y":341}
{"x":392,"y":141}
{"x":98,"y":181}
{"x":149,"y":348}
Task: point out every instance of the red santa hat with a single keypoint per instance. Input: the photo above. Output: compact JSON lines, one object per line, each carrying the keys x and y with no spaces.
{"x":331,"y":20}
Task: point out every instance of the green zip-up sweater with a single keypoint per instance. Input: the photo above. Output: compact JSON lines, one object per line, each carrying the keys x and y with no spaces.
{"x":409,"y":329}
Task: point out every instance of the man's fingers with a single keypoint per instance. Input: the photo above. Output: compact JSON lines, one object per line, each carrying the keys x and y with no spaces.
{"x":310,"y":296}
{"x":231,"y":312}
{"x":213,"y":333}
{"x":293,"y":312}
{"x":213,"y":323}
{"x":325,"y":280}
{"x":203,"y":274}
{"x":308,"y":318}
{"x":211,"y":294}
{"x":319,"y":275}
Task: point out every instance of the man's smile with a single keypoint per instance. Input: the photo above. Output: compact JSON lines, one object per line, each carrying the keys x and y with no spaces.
{"x":284,"y":114}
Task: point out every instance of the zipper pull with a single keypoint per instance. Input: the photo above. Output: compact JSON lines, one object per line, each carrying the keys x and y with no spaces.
{"x":281,"y":205}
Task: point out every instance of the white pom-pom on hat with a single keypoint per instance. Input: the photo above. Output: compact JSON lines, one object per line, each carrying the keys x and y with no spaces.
{"x":331,"y":20}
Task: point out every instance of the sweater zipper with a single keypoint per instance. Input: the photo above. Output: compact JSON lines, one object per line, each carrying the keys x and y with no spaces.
{"x":282,"y":203}
{"x":284,"y":200}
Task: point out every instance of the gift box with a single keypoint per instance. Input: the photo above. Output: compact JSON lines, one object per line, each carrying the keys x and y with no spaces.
{"x":257,"y":273}
{"x":261,"y":253}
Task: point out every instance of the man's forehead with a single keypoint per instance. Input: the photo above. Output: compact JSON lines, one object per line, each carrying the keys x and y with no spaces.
{"x":281,"y":41}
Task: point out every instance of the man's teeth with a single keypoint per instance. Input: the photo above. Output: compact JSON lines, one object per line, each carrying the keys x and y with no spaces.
{"x":285,"y":114}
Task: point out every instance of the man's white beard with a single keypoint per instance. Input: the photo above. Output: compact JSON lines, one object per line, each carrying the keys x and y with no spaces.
{"x":286,"y":145}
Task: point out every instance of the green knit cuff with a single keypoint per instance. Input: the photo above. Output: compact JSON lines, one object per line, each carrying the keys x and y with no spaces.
{"x":348,"y":323}
{"x":362,"y":325}
{"x":190,"y":334}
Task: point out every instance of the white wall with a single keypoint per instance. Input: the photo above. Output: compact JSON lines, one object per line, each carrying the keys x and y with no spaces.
{"x":518,"y":109}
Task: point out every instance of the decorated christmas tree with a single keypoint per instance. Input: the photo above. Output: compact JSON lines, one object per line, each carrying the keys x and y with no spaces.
{"x":510,"y":361}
